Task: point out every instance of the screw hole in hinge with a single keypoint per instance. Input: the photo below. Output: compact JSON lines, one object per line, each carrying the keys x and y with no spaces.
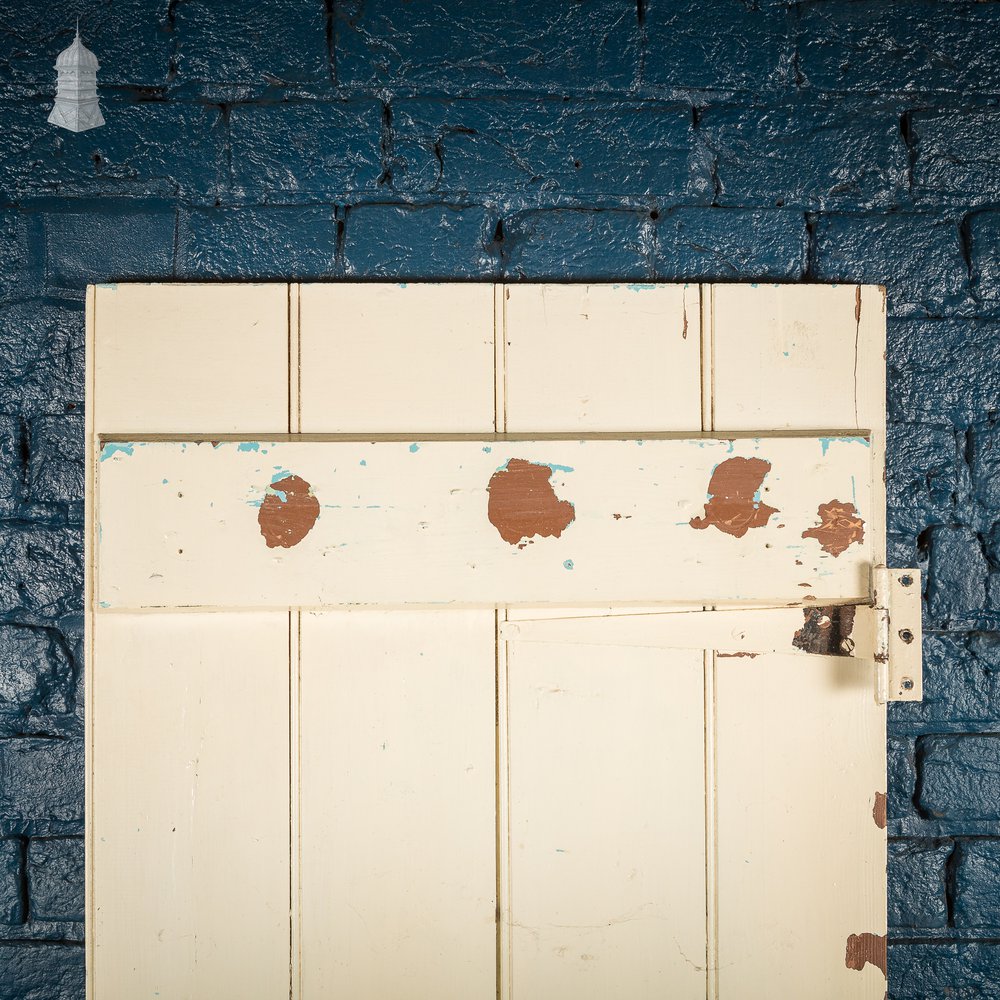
{"x":906,"y":580}
{"x":907,"y":684}
{"x":906,"y":635}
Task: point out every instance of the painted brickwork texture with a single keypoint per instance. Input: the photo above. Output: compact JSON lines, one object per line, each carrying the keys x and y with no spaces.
{"x":835,"y":140}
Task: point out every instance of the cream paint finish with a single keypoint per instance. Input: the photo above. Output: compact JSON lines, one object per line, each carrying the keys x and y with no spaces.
{"x":398,"y":811}
{"x":190,"y":780}
{"x":429,"y":368}
{"x":643,"y":808}
{"x":422,"y":509}
{"x":605,"y":789}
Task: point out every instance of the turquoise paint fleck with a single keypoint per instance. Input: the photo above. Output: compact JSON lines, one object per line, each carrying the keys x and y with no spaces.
{"x":568,"y":564}
{"x":110,"y":449}
{"x":414,"y":448}
{"x":248,"y":446}
{"x":825,"y":442}
{"x":105,"y":604}
{"x":558,"y":468}
{"x":165,"y":481}
{"x":362,"y":462}
{"x":487,"y":448}
{"x":640,"y":287}
{"x":280,"y":494}
{"x":280,"y":474}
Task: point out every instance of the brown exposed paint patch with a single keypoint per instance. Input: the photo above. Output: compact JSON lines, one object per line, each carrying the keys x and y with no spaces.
{"x":840,"y":526}
{"x":879,"y":811}
{"x":285,"y":522}
{"x":866,"y":948}
{"x":524,"y":504}
{"x":732,"y":505}
{"x":618,"y":517}
{"x":857,"y":304}
{"x":737,"y":656}
{"x":826,"y":631}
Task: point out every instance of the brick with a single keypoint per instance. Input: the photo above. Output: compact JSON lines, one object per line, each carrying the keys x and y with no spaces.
{"x":984,"y":448}
{"x":11,"y":900}
{"x":956,"y":578}
{"x":902,"y":777}
{"x":92,"y":242}
{"x":275,"y":241}
{"x":806,"y":155}
{"x":727,"y":244}
{"x":943,"y":370}
{"x":41,"y":786}
{"x":903,"y":46}
{"x":229,"y":42}
{"x":41,"y":573}
{"x":328,"y":149}
{"x":961,"y":684}
{"x":55,"y":878}
{"x":726,"y":45}
{"x":56,"y":463}
{"x":960,"y":777}
{"x":39,"y":971}
{"x":11,"y":464}
{"x":925,"y":475}
{"x":575,"y":149}
{"x":917,"y":257}
{"x":957,"y":971}
{"x":977,"y":884}
{"x":597,"y":245}
{"x":414,"y":242}
{"x":956,"y":156}
{"x":917,"y":894}
{"x":36,"y":674}
{"x":483,"y":47}
{"x":984,"y":254}
{"x":131,"y":38}
{"x":150,"y":148}
{"x":14,"y":254}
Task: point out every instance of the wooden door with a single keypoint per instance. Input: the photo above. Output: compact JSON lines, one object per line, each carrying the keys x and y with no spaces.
{"x":356,"y":731}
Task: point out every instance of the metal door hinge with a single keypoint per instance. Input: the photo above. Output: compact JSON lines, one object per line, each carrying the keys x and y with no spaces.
{"x":898,"y":634}
{"x":886,"y":631}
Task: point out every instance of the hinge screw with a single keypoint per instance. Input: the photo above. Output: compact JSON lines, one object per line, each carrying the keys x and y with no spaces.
{"x":907,"y":684}
{"x":847,"y":646}
{"x":906,"y":635}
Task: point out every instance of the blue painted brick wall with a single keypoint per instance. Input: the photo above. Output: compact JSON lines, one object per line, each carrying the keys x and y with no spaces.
{"x":661,"y":139}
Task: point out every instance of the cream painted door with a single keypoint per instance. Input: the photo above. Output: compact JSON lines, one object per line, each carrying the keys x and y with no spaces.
{"x":403,"y":678}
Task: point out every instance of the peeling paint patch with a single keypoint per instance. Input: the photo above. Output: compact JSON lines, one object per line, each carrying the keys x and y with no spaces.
{"x":879,"y":810}
{"x":288,"y":512}
{"x":840,"y":527}
{"x":738,"y":656}
{"x":523,"y":503}
{"x":734,"y":505}
{"x":863,"y":949}
{"x":826,"y":631}
{"x":248,"y":446}
{"x":113,"y":448}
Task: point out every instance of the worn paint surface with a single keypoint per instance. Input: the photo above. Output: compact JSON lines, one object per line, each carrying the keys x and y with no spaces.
{"x":734,"y":505}
{"x":288,"y":512}
{"x":826,"y":631}
{"x":864,"y":949}
{"x":879,"y":810}
{"x":840,"y":526}
{"x":524,"y":504}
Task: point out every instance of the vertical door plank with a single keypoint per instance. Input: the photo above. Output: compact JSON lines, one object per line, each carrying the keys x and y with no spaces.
{"x":606,"y":822}
{"x":383,"y":358}
{"x":602,"y":357}
{"x":801,"y":858}
{"x":398,"y":805}
{"x":801,"y":746}
{"x":190,"y":806}
{"x":605,"y":779}
{"x":191,"y":359}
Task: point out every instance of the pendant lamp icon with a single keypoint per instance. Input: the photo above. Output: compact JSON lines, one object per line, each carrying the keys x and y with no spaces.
{"x":76,"y":107}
